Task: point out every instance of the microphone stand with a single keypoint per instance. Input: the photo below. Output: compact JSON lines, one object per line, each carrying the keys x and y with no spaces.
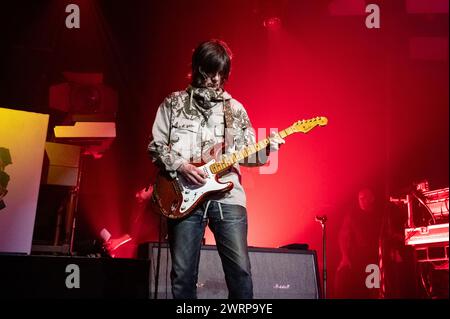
{"x":322,"y":220}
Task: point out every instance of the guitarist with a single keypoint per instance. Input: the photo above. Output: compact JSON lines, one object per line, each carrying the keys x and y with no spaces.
{"x":188,"y":123}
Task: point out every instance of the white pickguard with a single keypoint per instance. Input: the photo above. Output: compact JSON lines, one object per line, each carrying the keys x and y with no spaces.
{"x":191,"y":193}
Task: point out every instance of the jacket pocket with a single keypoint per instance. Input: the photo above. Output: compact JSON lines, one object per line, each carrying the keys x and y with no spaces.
{"x":184,"y":138}
{"x":184,"y":125}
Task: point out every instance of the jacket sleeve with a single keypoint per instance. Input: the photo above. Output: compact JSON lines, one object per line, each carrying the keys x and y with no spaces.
{"x":160,"y":148}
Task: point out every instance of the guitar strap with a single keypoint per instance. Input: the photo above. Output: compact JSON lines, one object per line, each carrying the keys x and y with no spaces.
{"x":172,"y":174}
{"x":228,"y":114}
{"x":170,"y":124}
{"x":229,"y":119}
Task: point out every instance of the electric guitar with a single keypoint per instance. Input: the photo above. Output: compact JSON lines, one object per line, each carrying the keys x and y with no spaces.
{"x":176,"y":198}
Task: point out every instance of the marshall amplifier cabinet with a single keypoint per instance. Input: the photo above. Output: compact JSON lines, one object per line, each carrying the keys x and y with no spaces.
{"x":277,"y":273}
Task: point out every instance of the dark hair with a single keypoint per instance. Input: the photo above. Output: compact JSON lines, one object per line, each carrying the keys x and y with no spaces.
{"x":213,"y":56}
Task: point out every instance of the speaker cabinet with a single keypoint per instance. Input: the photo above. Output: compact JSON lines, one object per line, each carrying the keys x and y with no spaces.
{"x":277,"y":274}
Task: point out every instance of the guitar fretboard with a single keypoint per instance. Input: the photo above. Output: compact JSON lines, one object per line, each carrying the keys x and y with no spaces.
{"x":231,"y":159}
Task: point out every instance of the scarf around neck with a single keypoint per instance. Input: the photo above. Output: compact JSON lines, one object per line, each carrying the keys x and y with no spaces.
{"x":205,"y":98}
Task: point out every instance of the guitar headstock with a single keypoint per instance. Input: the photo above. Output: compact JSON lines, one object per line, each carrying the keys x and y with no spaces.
{"x":305,"y":126}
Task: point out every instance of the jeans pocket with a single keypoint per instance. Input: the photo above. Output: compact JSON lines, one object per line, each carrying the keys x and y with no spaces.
{"x":234,"y":213}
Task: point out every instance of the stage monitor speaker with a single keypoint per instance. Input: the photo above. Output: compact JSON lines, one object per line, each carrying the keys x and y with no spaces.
{"x":277,"y":274}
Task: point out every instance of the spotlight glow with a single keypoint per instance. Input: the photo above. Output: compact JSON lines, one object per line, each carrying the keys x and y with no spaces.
{"x":272,"y":23}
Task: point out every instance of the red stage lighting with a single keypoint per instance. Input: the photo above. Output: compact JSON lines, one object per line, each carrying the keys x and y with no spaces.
{"x":110,"y":245}
{"x":272,"y":23}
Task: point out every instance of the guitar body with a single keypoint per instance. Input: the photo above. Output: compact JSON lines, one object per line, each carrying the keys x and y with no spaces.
{"x":175,"y":198}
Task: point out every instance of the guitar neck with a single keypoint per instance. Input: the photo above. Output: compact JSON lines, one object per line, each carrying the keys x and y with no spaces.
{"x":231,"y":159}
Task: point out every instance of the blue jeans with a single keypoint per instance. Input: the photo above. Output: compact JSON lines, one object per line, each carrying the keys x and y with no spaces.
{"x":230,"y":232}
